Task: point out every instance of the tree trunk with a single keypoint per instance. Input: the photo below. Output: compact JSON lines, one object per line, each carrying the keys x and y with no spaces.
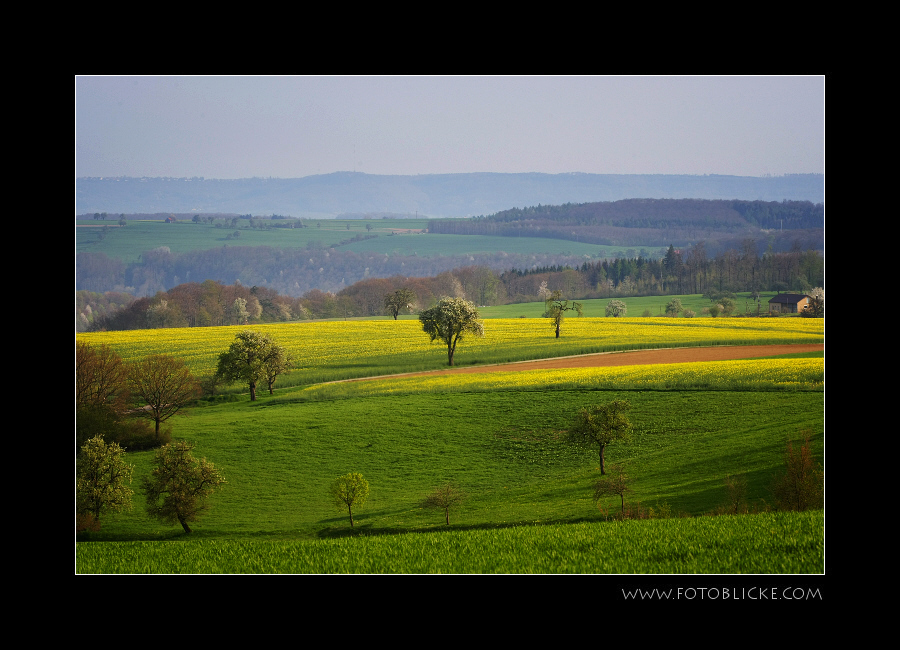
{"x":602,"y":460}
{"x":252,"y":391}
{"x":447,"y":514}
{"x":350,"y":510}
{"x":557,"y":330}
{"x":184,"y":524}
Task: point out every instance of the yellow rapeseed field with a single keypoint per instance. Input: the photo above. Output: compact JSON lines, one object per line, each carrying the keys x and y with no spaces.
{"x":370,"y":344}
{"x":751,"y":374}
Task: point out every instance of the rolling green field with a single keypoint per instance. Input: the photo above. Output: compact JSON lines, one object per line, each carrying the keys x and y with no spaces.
{"x":128,"y":242}
{"x":529,"y":507}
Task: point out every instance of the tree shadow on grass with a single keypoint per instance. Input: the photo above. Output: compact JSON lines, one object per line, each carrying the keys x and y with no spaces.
{"x":362,"y":529}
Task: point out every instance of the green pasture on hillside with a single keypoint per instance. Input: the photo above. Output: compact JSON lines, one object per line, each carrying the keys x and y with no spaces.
{"x":128,"y":242}
{"x":503,"y":448}
{"x":526,"y":488}
{"x":637,"y":305}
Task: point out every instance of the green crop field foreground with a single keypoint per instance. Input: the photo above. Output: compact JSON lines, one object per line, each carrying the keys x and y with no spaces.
{"x":499,"y":437}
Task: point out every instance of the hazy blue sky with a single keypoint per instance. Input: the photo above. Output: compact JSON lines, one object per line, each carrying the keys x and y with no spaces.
{"x":287,"y":127}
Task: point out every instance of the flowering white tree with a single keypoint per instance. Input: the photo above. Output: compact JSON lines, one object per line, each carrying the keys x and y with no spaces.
{"x":449,"y":321}
{"x":616,"y":308}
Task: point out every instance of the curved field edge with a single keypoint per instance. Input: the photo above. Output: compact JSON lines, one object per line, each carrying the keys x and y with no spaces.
{"x":750,"y":374}
{"x":767,"y":543}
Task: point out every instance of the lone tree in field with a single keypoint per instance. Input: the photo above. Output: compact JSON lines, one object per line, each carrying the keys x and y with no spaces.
{"x":178,"y":489}
{"x":102,"y":481}
{"x":443,"y":498}
{"x":615,"y":484}
{"x":254,"y":358}
{"x":348,"y":491}
{"x":400,"y":301}
{"x":616,"y":309}
{"x":602,"y":425}
{"x":449,"y":321}
{"x":556,"y":309}
{"x":164,"y":385}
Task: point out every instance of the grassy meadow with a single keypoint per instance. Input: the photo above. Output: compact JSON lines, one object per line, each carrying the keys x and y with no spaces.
{"x":529,"y":505}
{"x":394,"y":237}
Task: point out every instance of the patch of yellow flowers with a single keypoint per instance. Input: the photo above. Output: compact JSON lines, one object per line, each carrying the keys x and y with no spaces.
{"x":751,"y":374}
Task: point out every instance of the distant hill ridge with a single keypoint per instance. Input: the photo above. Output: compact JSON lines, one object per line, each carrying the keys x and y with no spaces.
{"x":430,"y":195}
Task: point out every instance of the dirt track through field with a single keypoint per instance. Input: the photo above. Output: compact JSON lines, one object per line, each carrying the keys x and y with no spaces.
{"x":634,"y":358}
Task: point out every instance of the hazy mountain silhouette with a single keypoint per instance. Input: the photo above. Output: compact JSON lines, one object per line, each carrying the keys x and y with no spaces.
{"x":434,"y":195}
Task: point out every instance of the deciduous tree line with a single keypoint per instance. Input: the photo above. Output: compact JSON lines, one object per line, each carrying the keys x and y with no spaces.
{"x":193,"y":304}
{"x":111,"y":396}
{"x":689,"y":271}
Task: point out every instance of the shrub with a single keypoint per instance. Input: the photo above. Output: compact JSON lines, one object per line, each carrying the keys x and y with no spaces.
{"x":86,"y":523}
{"x":616,"y":484}
{"x":802,"y":486}
{"x":139,"y":435}
{"x":736,"y":487}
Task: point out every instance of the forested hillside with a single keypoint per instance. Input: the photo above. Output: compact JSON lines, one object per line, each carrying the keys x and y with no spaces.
{"x":293,"y":264}
{"x":657,"y":222}
{"x":212,"y":303}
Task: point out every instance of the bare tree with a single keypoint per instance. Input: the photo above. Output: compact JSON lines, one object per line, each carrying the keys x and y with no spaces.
{"x":802,"y":486}
{"x":400,"y":300}
{"x":164,"y":385}
{"x":557,"y":308}
{"x":444,"y":498}
{"x":100,"y":376}
{"x":614,"y":484}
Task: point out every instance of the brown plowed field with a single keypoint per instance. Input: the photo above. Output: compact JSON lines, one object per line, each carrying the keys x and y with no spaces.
{"x":638,"y":357}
